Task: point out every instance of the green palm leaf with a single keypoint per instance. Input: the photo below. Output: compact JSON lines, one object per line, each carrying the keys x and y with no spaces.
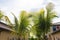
{"x":16,"y":24}
{"x":24,"y":22}
{"x":1,"y":14}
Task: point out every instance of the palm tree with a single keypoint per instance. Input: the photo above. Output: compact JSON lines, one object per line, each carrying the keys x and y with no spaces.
{"x":42,"y":21}
{"x":23,"y":24}
{"x":20,"y":25}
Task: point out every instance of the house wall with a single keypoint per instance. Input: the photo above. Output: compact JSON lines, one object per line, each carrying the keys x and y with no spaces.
{"x":6,"y":35}
{"x":54,"y":36}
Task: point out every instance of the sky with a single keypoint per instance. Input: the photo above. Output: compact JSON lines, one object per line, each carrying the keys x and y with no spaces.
{"x":16,"y":6}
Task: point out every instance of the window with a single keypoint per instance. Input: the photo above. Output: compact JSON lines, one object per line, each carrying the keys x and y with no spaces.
{"x":54,"y":28}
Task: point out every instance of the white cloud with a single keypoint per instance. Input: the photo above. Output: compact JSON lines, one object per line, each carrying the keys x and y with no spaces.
{"x":16,"y":6}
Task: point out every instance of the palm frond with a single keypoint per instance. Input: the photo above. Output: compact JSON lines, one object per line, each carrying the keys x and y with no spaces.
{"x":1,"y":14}
{"x":24,"y":22}
{"x":16,"y":25}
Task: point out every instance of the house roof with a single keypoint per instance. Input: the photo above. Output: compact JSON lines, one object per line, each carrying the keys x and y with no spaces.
{"x":5,"y":24}
{"x":58,"y":23}
{"x":5,"y":27}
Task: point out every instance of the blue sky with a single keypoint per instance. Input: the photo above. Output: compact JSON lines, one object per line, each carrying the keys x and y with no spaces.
{"x":16,"y":6}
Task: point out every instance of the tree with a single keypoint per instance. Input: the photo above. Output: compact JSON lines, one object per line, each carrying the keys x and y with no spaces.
{"x":23,"y":24}
{"x":20,"y":25}
{"x":42,"y":21}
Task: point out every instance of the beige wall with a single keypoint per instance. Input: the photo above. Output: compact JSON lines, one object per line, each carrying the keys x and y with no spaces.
{"x":6,"y":35}
{"x":57,"y":36}
{"x":54,"y":36}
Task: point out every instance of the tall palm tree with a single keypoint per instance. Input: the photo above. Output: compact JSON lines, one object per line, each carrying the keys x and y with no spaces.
{"x":21,"y":25}
{"x":42,"y":21}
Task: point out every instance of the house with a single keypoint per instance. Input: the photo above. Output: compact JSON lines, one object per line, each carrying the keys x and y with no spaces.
{"x":6,"y":33}
{"x":54,"y":32}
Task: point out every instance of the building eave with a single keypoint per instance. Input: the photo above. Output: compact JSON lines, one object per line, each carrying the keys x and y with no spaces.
{"x":6,"y":28}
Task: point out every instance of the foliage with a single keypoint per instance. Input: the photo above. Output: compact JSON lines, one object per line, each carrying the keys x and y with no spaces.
{"x":24,"y":22}
{"x":1,"y":14}
{"x":43,"y":21}
{"x":20,"y":26}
